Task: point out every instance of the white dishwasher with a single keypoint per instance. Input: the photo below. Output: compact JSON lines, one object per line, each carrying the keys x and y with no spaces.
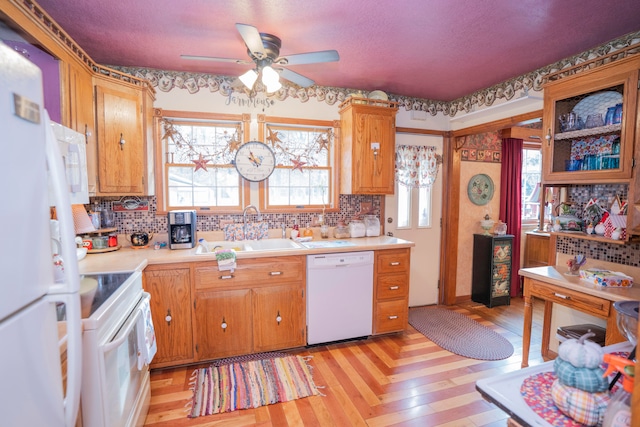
{"x":339,"y":296}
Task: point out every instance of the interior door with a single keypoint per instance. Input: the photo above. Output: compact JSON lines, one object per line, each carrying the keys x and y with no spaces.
{"x":425,"y":256}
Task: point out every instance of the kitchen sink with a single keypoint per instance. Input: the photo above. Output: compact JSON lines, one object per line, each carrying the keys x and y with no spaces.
{"x":222,"y":244}
{"x":250,"y":245}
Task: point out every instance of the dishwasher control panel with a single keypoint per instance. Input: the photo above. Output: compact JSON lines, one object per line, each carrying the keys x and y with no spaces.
{"x":336,"y":260}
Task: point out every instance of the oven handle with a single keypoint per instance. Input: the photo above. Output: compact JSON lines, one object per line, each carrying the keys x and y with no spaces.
{"x":124,"y":332}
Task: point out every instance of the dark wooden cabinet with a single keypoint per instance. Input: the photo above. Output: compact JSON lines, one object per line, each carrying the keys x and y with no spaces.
{"x":491,"y":279}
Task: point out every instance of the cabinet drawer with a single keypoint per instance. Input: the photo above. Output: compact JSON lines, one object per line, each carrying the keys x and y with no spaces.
{"x":391,"y":316}
{"x":392,"y":261}
{"x":579,"y":301}
{"x":392,"y":286}
{"x":251,"y":272}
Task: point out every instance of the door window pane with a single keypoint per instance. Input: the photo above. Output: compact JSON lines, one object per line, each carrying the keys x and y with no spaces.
{"x":404,"y":206}
{"x":424,"y":207}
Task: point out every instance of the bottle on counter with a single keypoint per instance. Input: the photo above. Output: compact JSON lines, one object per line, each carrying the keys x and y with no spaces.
{"x":202,"y":244}
{"x":308,"y":232}
{"x":295,"y":230}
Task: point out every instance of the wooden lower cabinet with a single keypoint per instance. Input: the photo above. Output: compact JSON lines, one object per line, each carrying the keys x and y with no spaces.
{"x":391,"y":290}
{"x":259,"y":307}
{"x":279,"y":317}
{"x":223,"y":323}
{"x":170,"y":289}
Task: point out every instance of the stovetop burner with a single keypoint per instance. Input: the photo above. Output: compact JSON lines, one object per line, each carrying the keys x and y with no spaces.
{"x":108,"y":283}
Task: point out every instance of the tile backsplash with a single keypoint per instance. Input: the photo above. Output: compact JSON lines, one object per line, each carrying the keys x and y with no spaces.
{"x":579,"y":195}
{"x":127,"y":222}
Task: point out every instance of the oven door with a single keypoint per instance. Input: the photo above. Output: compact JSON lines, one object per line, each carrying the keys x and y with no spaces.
{"x":125,"y":369}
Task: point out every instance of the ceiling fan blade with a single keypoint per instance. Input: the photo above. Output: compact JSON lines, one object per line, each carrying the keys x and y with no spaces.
{"x":252,"y":39}
{"x":309,"y":58}
{"x":296,"y":78}
{"x":215,"y":59}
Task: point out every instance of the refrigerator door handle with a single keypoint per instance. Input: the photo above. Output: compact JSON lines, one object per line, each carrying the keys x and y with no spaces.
{"x":74,"y":354}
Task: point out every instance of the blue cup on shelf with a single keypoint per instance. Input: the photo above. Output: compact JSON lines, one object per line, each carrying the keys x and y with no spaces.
{"x":573,"y":165}
{"x":611,"y":112}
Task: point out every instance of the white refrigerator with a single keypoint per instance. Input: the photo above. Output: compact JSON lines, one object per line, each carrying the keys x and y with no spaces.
{"x":31,"y":383}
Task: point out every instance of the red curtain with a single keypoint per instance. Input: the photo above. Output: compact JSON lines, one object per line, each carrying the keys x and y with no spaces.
{"x":510,"y":201}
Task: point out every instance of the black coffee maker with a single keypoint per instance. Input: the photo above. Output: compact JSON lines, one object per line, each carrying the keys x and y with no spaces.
{"x":182,"y":229}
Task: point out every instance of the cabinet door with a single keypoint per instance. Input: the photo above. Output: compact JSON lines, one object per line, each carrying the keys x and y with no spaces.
{"x":222,"y":323}
{"x":584,"y":143}
{"x":170,"y":291}
{"x":374,"y":155}
{"x":279,"y":317}
{"x":82,"y":118}
{"x":121,"y":145}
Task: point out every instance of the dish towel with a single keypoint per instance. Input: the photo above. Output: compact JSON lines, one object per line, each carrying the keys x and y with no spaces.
{"x":226,"y":259}
{"x":149,"y":347}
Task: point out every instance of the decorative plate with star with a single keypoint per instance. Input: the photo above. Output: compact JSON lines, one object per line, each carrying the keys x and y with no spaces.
{"x":255,"y":161}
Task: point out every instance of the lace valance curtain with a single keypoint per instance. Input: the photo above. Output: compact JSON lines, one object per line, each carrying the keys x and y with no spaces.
{"x":416,"y":165}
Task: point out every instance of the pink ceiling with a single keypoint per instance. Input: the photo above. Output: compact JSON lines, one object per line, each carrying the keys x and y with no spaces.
{"x":433,"y":49}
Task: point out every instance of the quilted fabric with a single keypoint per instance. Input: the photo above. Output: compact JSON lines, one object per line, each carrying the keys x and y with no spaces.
{"x":586,"y":379}
{"x":584,"y":407}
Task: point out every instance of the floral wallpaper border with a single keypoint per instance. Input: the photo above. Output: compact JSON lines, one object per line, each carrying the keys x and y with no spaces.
{"x":228,"y":86}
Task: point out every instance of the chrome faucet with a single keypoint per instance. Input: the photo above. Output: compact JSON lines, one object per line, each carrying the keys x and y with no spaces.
{"x":284,"y":230}
{"x":244,"y":218}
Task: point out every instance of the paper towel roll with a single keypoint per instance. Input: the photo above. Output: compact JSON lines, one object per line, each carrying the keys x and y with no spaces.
{"x":81,"y":220}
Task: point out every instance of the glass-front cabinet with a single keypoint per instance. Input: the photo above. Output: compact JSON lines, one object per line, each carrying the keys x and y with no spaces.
{"x":589,"y":122}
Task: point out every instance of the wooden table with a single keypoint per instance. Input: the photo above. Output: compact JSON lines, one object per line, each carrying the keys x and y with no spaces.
{"x":551,"y":285}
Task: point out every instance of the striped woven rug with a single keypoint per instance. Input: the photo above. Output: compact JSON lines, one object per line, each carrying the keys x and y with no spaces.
{"x":243,"y":383}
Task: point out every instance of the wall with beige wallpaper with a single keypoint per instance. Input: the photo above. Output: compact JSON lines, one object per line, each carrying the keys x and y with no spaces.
{"x":480,"y":154}
{"x":470,"y":215}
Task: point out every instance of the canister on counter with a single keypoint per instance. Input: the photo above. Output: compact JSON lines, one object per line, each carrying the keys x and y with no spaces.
{"x":113,"y":240}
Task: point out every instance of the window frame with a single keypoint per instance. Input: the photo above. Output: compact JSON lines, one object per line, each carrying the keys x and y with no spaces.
{"x":161,"y":165}
{"x":529,"y":145}
{"x":332,"y":204}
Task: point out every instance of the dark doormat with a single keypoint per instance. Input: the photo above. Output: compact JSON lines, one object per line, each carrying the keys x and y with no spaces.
{"x":459,"y":334}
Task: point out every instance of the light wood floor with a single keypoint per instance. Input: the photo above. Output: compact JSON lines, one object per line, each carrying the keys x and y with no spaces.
{"x":402,"y":379}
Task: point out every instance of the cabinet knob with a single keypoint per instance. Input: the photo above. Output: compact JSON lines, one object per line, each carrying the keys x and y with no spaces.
{"x":393,"y":288}
{"x":548,"y":137}
{"x":394,"y":263}
{"x":224,"y":325}
{"x":168,"y":317}
{"x":122,"y":141}
{"x":278,"y":318}
{"x":275,"y":273}
{"x":228,"y":276}
{"x":393,"y":317}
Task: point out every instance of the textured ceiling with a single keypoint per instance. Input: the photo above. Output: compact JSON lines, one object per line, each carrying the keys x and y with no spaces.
{"x":432,"y":49}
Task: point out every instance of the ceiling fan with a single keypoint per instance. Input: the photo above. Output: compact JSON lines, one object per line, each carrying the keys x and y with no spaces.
{"x":264,"y":52}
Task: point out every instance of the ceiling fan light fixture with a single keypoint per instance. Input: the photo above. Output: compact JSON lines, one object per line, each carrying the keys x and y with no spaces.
{"x":249,"y":78}
{"x":273,"y":87}
{"x":271,"y":79}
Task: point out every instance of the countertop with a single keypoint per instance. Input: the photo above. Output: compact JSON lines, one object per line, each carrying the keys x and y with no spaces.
{"x":556,"y":276}
{"x":128,"y":259}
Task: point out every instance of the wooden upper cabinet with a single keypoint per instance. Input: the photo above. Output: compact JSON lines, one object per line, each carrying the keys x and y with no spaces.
{"x":121,"y":134}
{"x":81,"y":115}
{"x":582,"y":143}
{"x":368,"y":129}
